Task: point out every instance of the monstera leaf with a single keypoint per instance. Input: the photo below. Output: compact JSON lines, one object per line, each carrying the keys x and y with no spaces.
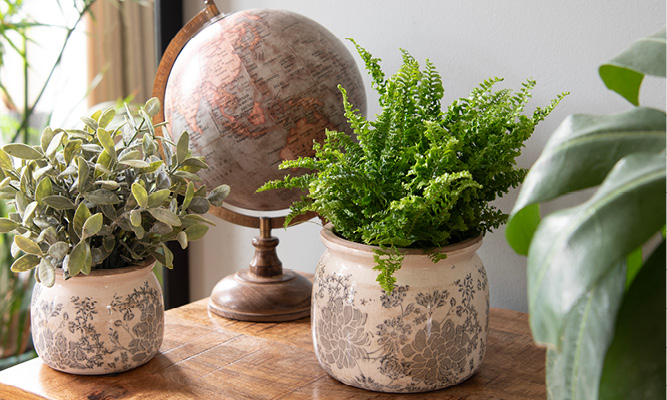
{"x":584,"y":263}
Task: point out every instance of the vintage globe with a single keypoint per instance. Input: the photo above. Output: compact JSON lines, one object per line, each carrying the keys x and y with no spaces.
{"x":254,"y":88}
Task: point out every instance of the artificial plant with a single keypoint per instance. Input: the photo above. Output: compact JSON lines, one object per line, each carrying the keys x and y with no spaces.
{"x":594,"y":301}
{"x":102,"y":197}
{"x":417,"y":176}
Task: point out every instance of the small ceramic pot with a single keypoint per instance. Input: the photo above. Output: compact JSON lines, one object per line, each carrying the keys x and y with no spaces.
{"x":429,"y":333}
{"x":109,"y":321}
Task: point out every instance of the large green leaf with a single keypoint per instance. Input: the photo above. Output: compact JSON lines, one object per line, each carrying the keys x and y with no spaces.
{"x":579,"y":155}
{"x":624,"y":73}
{"x":586,"y":336}
{"x":574,"y":248}
{"x":634,"y":367}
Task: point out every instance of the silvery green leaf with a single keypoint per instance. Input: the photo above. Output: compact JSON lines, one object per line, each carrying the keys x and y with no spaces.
{"x":138,"y":231}
{"x":99,"y":254}
{"x":191,"y":219}
{"x":109,"y":242}
{"x":196,"y":231}
{"x":168,"y":256}
{"x":168,"y":158}
{"x":29,"y":213}
{"x":149,"y":145}
{"x":7,"y":225}
{"x":25,"y":263}
{"x":152,"y":106}
{"x":107,"y":142}
{"x":84,"y":171}
{"x":218,"y":194}
{"x":109,"y":212}
{"x":7,"y":193}
{"x":20,"y":202}
{"x":5,"y":182}
{"x":163,"y":181}
{"x":140,"y":195}
{"x":79,"y":134}
{"x":55,"y":142}
{"x":156,"y":199}
{"x":187,"y":176}
{"x":58,"y":250}
{"x":92,"y":124}
{"x":182,"y":147}
{"x":5,"y":161}
{"x":88,"y":260}
{"x":108,"y":185}
{"x":59,"y":202}
{"x":92,"y":225}
{"x":166,"y":216}
{"x":22,"y":151}
{"x":46,"y":137}
{"x":106,"y":117}
{"x":160,"y":228}
{"x":199,"y":205}
{"x":80,"y":217}
{"x":101,"y":197}
{"x":103,"y":169}
{"x":41,"y":222}
{"x":182,"y":239}
{"x":154,"y":166}
{"x":74,"y":261}
{"x":16,"y":217}
{"x":14,"y":250}
{"x":72,"y":148}
{"x":43,"y":189}
{"x":27,"y":245}
{"x":48,"y":235}
{"x":135,"y":217}
{"x":46,"y":273}
{"x":197,"y":162}
{"x":104,"y":230}
{"x":69,"y":171}
{"x":130,"y":155}
{"x":42,"y":171}
{"x":135,"y":163}
{"x":91,"y":148}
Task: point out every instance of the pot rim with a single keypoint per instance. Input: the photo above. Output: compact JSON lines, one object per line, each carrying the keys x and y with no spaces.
{"x":146,"y":263}
{"x":330,"y":239}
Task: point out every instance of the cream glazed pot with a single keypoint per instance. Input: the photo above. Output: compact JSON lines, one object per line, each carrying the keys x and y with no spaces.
{"x":428,"y":334}
{"x":109,"y":321}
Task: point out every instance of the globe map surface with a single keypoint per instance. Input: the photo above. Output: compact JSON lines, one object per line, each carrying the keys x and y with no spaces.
{"x":255,"y":88}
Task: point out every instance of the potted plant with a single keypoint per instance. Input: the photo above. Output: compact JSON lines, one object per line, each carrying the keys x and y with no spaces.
{"x":94,"y":208}
{"x":414,"y":180}
{"x":594,"y":300}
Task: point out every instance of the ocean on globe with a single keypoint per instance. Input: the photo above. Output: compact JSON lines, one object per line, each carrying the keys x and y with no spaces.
{"x":254,"y":88}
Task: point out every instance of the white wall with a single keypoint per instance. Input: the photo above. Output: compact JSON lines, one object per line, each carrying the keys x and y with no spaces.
{"x":558,"y":43}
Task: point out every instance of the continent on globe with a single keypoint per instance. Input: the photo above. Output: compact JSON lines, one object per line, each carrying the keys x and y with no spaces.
{"x":255,"y":88}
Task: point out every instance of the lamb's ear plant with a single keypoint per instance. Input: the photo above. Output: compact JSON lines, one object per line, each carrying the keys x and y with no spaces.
{"x":417,"y":176}
{"x":102,"y":197}
{"x":594,"y":301}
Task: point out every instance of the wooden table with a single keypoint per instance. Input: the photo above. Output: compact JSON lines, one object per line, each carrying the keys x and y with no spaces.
{"x":204,"y":356}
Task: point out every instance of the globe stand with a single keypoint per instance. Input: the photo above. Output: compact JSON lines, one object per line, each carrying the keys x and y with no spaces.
{"x":264,"y":291}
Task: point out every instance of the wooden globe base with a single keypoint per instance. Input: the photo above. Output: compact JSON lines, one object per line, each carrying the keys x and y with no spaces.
{"x":263,"y":292}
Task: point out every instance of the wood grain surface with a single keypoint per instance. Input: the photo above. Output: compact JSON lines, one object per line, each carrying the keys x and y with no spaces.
{"x":204,"y":356}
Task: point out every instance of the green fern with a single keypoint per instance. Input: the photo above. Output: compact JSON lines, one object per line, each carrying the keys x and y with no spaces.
{"x":417,"y":176}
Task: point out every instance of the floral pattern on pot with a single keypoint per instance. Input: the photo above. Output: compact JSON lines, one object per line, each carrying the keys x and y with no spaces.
{"x":412,"y":340}
{"x":97,"y":335}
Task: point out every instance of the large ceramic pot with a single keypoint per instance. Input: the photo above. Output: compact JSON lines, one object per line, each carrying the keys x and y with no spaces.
{"x":109,"y":321}
{"x":428,"y":334}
